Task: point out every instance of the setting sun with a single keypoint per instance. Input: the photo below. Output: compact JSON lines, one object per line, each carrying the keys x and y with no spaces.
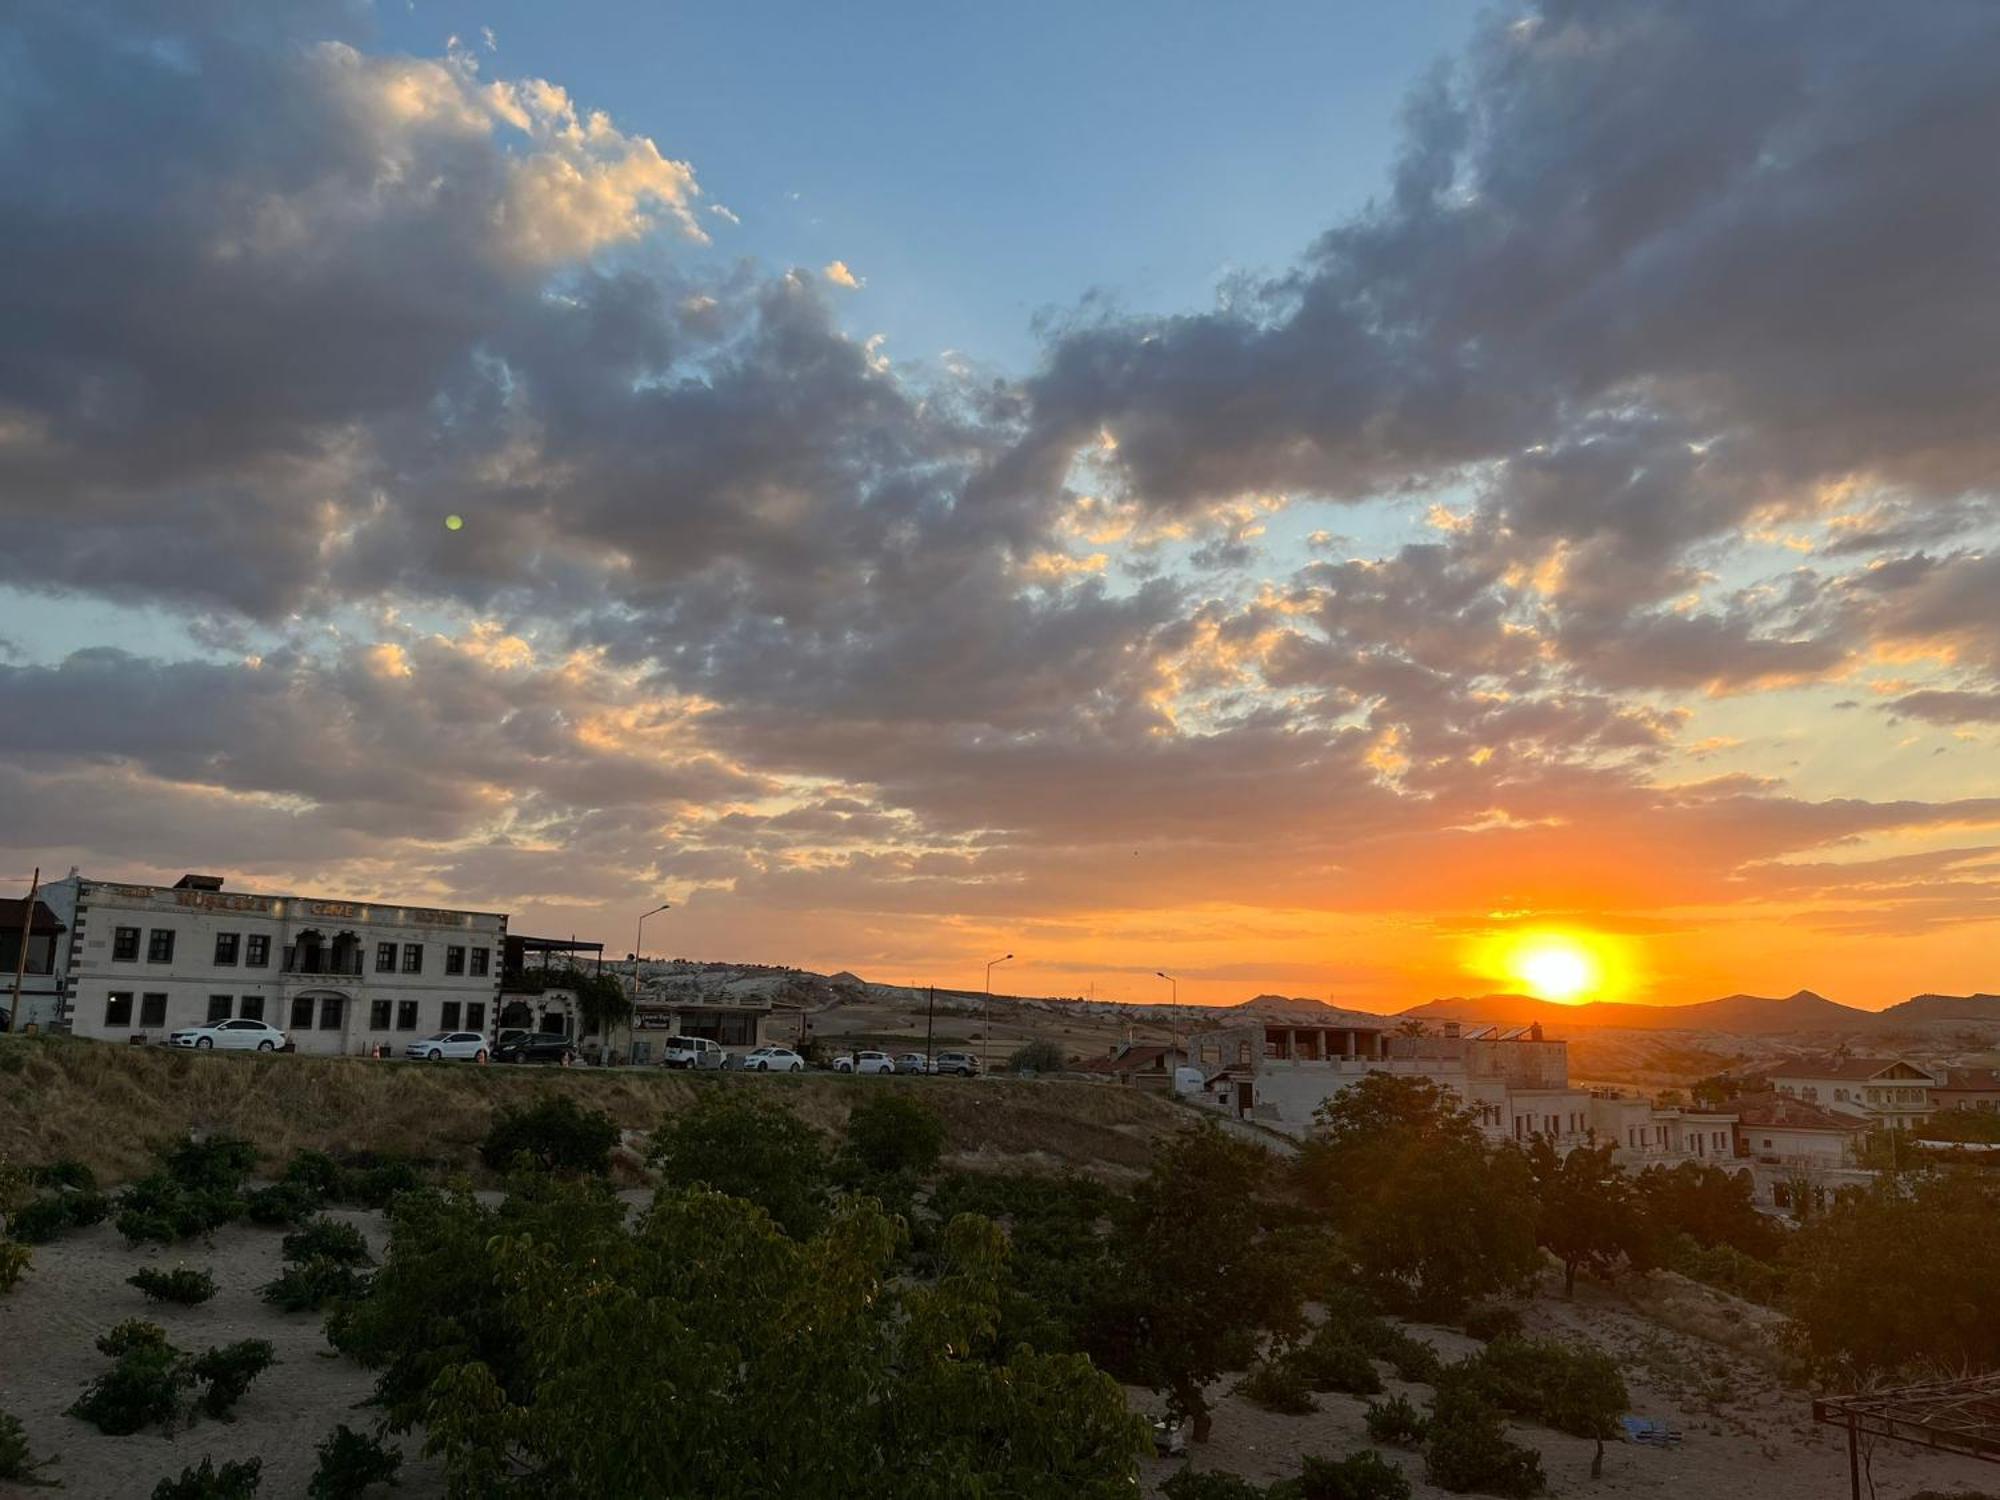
{"x":1555,"y":969}
{"x":1563,"y":965}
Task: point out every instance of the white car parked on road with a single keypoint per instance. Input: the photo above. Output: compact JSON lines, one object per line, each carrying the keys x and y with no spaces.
{"x":440,"y":1045}
{"x":231,"y":1036}
{"x":691,"y":1052}
{"x":874,"y":1062}
{"x":913,"y":1062}
{"x":774,"y":1060}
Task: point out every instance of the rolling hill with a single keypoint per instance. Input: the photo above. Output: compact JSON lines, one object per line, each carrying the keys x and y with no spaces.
{"x":1742,"y":1015}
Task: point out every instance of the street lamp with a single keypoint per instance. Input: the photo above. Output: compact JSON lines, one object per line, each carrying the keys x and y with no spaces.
{"x":639,"y":943}
{"x":986,"y":1042}
{"x":1173,"y":1028}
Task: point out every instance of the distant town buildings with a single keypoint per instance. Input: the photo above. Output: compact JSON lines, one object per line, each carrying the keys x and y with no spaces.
{"x":1886,"y":1091}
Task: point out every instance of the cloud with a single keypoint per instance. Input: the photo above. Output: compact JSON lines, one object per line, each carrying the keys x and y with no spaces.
{"x":836,"y":272}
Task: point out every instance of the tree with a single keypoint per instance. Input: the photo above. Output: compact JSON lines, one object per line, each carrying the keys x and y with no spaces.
{"x":1898,"y":1278}
{"x":891,"y":1133}
{"x":747,"y":1362}
{"x":1038,"y":1056}
{"x":749,"y":1148}
{"x":1197,"y":1266}
{"x":1713,"y":1206}
{"x":1434,"y":1216}
{"x":1590,"y":1215}
{"x":555,"y":1132}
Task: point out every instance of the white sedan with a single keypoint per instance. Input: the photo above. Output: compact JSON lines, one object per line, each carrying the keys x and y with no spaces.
{"x":439,"y":1045}
{"x":874,"y":1062}
{"x":231,"y":1036}
{"x":774,"y":1060}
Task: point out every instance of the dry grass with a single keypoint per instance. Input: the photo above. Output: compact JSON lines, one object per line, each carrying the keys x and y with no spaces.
{"x":105,"y":1105}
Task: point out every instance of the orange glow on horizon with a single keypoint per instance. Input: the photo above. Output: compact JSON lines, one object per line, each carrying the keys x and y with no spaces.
{"x":1564,"y":965}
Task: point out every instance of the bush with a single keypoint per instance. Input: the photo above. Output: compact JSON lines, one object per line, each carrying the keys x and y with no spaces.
{"x":180,"y":1285}
{"x":17,"y":1460}
{"x":889,"y":1133}
{"x":64,"y":1172}
{"x":1331,"y":1361}
{"x":314,"y":1173}
{"x":1363,"y":1475}
{"x":161,"y":1209}
{"x":1468,"y":1449}
{"x":14,"y":1262}
{"x":53,"y":1212}
{"x":1397,"y":1422}
{"x":1574,"y":1390}
{"x":1492,"y":1320}
{"x":1278,"y":1385}
{"x":1727,"y":1269}
{"x":372,"y":1179}
{"x":281,"y":1203}
{"x":1212,"y":1484}
{"x":555,"y":1133}
{"x":216,"y":1164}
{"x":1413,"y":1358}
{"x":233,"y":1481}
{"x":309,"y":1285}
{"x":1039,"y":1056}
{"x":349,"y":1463}
{"x":143,"y":1387}
{"x":229,"y":1371}
{"x":749,"y":1148}
{"x":328,"y":1239}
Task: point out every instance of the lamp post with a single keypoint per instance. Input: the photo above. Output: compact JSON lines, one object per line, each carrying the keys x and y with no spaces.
{"x":986,"y":1042}
{"x":1173,"y":1029}
{"x":638,"y":946}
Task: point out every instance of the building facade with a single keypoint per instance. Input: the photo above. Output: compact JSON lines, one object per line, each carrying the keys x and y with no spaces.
{"x":1886,"y":1091}
{"x":142,"y":961}
{"x":31,"y":983}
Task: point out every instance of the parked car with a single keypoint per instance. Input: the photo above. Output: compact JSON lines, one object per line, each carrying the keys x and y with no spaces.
{"x":439,"y":1045}
{"x":874,"y":1062}
{"x":963,"y":1064}
{"x":691,"y":1052}
{"x":534,"y":1047}
{"x":232,"y":1036}
{"x":913,"y":1062}
{"x":774,"y":1060}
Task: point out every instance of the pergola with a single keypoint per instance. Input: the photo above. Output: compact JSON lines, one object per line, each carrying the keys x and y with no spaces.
{"x":1950,"y":1416}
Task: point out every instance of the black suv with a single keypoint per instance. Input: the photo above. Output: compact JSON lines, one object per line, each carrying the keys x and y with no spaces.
{"x":534,"y":1047}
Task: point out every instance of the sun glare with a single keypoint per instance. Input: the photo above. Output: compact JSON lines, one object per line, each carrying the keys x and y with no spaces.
{"x":1555,"y":970}
{"x":1567,"y":966}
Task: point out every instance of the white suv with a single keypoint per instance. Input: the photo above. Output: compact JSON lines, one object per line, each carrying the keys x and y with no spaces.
{"x":691,"y":1052}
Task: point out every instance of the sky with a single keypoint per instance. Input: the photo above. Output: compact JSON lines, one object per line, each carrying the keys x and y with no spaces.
{"x":1336,"y":500}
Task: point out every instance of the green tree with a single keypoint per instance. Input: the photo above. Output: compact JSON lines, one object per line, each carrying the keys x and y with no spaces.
{"x":751,"y":1148}
{"x":889,"y":1133}
{"x":1039,"y":1056}
{"x":555,"y":1132}
{"x":1713,"y":1206}
{"x":1590,"y":1217}
{"x":1434,"y":1216}
{"x":1197,"y":1266}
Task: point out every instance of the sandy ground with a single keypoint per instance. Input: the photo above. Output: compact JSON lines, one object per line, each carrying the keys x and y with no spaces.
{"x":77,"y":1290}
{"x":1703,"y":1362}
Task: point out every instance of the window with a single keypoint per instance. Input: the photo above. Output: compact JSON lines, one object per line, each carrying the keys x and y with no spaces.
{"x":406,"y":1015}
{"x":118,"y":1004}
{"x":448,"y":1016}
{"x":226,"y":945}
{"x":160,"y":946}
{"x":475,"y":1015}
{"x":413,"y":958}
{"x":257,"y":951}
{"x":219,"y":1007}
{"x":332,"y":1012}
{"x":378,"y":1015}
{"x":454,"y":959}
{"x":152,"y":1010}
{"x":251,"y":1008}
{"x":302,"y":1012}
{"x":481,"y":958}
{"x":125,"y":946}
{"x":385,"y":958}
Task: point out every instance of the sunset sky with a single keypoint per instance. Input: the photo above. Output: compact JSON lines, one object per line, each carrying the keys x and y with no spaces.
{"x":1315,"y":498}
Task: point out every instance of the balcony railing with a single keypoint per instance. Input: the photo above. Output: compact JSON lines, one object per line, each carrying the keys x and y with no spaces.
{"x":322,"y":961}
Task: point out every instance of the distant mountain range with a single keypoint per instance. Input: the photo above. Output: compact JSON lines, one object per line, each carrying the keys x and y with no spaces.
{"x":1742,"y":1015}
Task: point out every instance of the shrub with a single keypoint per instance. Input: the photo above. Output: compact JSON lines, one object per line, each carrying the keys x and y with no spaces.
{"x":1413,"y":1358}
{"x":217,"y":1163}
{"x":312,"y":1172}
{"x":1211,"y":1484}
{"x":233,"y":1481}
{"x":1039,"y":1056}
{"x":889,"y":1133}
{"x":17,"y":1460}
{"x":1363,"y":1475}
{"x":162,"y":1209}
{"x":143,"y":1387}
{"x":328,"y":1239}
{"x":180,"y":1285}
{"x":14,"y":1262}
{"x":555,"y":1133}
{"x":349,"y":1463}
{"x":1727,"y":1269}
{"x":1574,"y":1390}
{"x":1467,"y":1449}
{"x":229,"y":1371}
{"x":749,"y":1148}
{"x":1492,"y":1320}
{"x":53,"y":1212}
{"x":64,"y":1172}
{"x":309,"y":1285}
{"x":1396,"y":1421}
{"x":1330,"y":1361}
{"x":281,"y":1203}
{"x":372,"y":1179}
{"x":1278,"y":1385}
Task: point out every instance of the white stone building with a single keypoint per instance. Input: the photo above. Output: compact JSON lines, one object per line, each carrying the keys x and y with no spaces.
{"x":141,"y":961}
{"x":1888,"y":1091}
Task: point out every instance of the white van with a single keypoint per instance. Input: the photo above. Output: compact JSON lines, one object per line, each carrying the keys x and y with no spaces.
{"x":690,"y":1052}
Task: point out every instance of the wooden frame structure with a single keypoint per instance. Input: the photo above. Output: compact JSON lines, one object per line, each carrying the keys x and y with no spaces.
{"x":1948,"y":1416}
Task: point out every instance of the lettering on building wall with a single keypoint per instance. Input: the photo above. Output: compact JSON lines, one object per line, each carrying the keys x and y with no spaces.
{"x":437,"y":918}
{"x":223,"y":901}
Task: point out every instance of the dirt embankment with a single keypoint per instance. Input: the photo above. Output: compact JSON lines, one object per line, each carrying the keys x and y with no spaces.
{"x":104,"y":1105}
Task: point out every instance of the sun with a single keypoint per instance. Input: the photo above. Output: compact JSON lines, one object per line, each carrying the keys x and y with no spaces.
{"x":1555,"y":968}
